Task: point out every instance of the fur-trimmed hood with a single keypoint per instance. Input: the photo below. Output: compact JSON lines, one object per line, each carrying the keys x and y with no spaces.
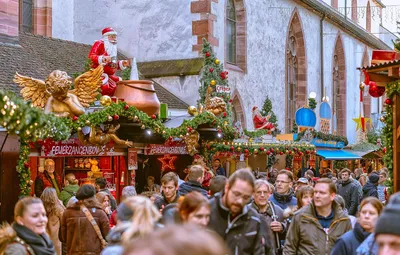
{"x":7,"y":236}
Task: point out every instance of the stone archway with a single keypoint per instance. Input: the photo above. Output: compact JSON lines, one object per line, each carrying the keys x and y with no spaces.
{"x":339,"y":87}
{"x":237,"y":109}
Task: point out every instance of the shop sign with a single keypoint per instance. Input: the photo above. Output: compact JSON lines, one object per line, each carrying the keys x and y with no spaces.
{"x":73,"y":147}
{"x":132,"y":159}
{"x":223,"y":89}
{"x":161,"y":149}
{"x":327,"y":144}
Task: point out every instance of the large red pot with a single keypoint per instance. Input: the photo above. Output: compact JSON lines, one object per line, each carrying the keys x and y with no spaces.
{"x":140,"y":94}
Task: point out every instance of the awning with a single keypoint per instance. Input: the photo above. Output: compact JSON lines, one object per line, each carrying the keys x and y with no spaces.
{"x":337,"y":155}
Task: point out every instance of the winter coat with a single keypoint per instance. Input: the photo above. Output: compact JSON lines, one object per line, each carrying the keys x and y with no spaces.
{"x":368,"y":247}
{"x":43,"y":180}
{"x":53,"y":228}
{"x":190,"y":186}
{"x":113,"y":202}
{"x":284,"y":201}
{"x":349,"y":191}
{"x":306,"y":236}
{"x":243,"y":234}
{"x":370,"y":190}
{"x":68,"y":192}
{"x":78,"y":233}
{"x":162,"y":202}
{"x":349,"y":242}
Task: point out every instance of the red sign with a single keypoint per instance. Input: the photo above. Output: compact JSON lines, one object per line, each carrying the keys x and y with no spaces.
{"x":161,"y":149}
{"x":73,"y":147}
{"x":132,"y":159}
{"x":223,"y":89}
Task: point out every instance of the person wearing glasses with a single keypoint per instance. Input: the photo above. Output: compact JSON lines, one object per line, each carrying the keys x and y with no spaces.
{"x":283,"y":195}
{"x":48,"y":178}
{"x":233,"y":219}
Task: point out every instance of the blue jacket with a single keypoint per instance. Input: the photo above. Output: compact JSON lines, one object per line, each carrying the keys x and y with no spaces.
{"x":348,"y":243}
{"x":190,"y":186}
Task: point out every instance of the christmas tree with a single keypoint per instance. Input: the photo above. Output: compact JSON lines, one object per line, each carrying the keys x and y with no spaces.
{"x":213,"y":76}
{"x":267,"y":109}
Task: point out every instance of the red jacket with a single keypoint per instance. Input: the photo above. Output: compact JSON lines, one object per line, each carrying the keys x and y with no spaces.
{"x":97,"y":52}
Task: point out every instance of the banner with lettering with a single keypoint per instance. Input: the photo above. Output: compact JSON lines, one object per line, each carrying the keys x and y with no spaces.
{"x":73,"y":147}
{"x":161,"y":149}
{"x":132,"y":159}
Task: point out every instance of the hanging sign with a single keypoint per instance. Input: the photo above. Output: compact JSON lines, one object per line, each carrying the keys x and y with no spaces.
{"x":73,"y":147}
{"x":161,"y":149}
{"x":327,"y":144}
{"x":132,"y":159}
{"x":223,"y":89}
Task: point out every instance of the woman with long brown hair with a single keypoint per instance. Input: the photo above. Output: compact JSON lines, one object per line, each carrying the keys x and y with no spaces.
{"x":104,"y":199}
{"x":195,"y":209}
{"x":54,"y":210}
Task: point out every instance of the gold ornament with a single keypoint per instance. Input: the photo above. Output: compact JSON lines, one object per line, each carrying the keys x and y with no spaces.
{"x":55,"y":95}
{"x":255,"y":151}
{"x":105,"y":100}
{"x":192,"y":110}
{"x":135,"y":118}
{"x":164,"y":132}
{"x":143,"y":127}
{"x":79,"y":129}
{"x":99,"y":137}
{"x":109,"y":118}
{"x":383,"y":119}
{"x":213,"y":83}
{"x":192,"y":142}
{"x":217,"y":61}
{"x":362,"y":85}
{"x":87,"y":122}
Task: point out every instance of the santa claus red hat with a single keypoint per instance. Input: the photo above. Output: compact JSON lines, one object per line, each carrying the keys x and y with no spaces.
{"x":254,"y":108}
{"x":108,"y":31}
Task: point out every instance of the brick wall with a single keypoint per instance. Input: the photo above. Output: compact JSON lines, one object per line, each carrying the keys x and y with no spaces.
{"x":42,"y":15}
{"x":9,"y":13}
{"x":204,"y":27}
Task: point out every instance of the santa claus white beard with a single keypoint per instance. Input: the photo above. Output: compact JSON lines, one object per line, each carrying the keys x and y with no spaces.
{"x":110,"y":48}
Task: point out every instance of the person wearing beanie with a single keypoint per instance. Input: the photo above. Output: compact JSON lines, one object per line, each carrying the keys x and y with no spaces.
{"x":77,"y":231}
{"x":370,"y":189}
{"x":387,"y":230}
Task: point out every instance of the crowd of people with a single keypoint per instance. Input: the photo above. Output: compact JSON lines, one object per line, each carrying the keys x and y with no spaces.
{"x":276,"y":213}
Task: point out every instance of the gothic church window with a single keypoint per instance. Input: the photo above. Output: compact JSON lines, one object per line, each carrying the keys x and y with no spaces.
{"x":292,"y":73}
{"x":26,"y":15}
{"x":231,"y":32}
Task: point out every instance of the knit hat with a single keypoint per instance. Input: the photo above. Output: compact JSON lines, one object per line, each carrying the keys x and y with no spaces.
{"x":374,"y":178}
{"x":388,"y":222}
{"x":85,"y":191}
{"x":303,"y":180}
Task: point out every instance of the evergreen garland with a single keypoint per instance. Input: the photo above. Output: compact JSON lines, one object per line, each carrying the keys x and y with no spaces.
{"x":325,"y":137}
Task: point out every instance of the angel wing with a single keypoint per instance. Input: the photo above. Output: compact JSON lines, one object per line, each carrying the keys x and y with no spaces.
{"x":32,"y":89}
{"x":87,"y":86}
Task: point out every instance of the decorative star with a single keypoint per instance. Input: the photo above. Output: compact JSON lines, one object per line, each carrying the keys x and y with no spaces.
{"x":167,"y":162}
{"x":360,"y":121}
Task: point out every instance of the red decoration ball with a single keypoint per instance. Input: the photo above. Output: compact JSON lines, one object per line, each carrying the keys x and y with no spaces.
{"x":153,"y":116}
{"x":232,"y":148}
{"x":208,"y":146}
{"x":246,"y":151}
{"x":295,"y":149}
{"x":281,"y":152}
{"x":211,"y":69}
{"x":230,"y":100}
{"x":116,"y":117}
{"x":26,"y":164}
{"x":189,"y":129}
{"x":301,"y":153}
{"x":126,"y":107}
{"x":271,"y":150}
{"x":223,"y":75}
{"x":388,"y":101}
{"x":307,"y":151}
{"x":261,"y":148}
{"x":75,"y":118}
{"x":208,"y":54}
{"x":384,"y":149}
{"x":225,"y":114}
{"x":375,"y":90}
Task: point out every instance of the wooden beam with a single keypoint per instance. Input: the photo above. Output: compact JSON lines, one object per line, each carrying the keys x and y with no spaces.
{"x":376,"y":77}
{"x":398,"y":132}
{"x":393,"y":72}
{"x":383,"y":68}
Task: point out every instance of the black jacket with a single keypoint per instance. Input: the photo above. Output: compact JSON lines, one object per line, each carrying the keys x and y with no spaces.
{"x":348,"y":243}
{"x":243,"y":235}
{"x":370,"y":190}
{"x":162,"y":202}
{"x":190,"y":186}
{"x":349,"y":191}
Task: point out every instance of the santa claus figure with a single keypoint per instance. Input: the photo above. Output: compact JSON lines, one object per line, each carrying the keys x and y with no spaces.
{"x":105,"y":52}
{"x":261,"y":122}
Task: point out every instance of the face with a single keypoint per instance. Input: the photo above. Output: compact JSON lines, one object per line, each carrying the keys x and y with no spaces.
{"x":200,"y":217}
{"x":388,"y":244}
{"x":50,"y":166}
{"x":283,"y":184}
{"x":261,"y":195}
{"x":306,"y":199}
{"x":34,"y":218}
{"x":322,"y":196}
{"x":345,"y":176}
{"x":112,"y":39}
{"x":216,"y":163}
{"x":106,"y":202}
{"x":382,"y":178}
{"x":237,"y":196}
{"x":150,"y":182}
{"x":368,"y":217}
{"x":169,"y":189}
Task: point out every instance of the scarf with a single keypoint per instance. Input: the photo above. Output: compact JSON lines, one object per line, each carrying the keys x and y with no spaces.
{"x":40,"y":244}
{"x":283,"y":198}
{"x":360,"y":233}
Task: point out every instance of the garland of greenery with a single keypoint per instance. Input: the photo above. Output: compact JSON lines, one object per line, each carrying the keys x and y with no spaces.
{"x":325,"y":137}
{"x":256,"y":133}
{"x":392,"y":89}
{"x":23,"y":169}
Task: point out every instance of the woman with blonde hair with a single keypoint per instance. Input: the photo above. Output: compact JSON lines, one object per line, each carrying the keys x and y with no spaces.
{"x":137,"y":217}
{"x":104,"y":199}
{"x":54,"y":210}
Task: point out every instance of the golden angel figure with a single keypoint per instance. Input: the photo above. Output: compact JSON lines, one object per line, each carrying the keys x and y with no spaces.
{"x":54,"y":94}
{"x":192,"y":142}
{"x":99,"y":137}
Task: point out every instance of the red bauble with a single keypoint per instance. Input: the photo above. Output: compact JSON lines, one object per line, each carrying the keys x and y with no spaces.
{"x":388,"y":101}
{"x":26,"y":165}
{"x":375,"y":90}
{"x":290,"y":152}
{"x":153,"y":116}
{"x":261,"y":148}
{"x":116,"y":117}
{"x":223,"y":75}
{"x":211,"y":70}
{"x":75,"y":118}
{"x":225,"y":114}
{"x":208,"y":146}
{"x":384,"y":149}
{"x":230,"y":100}
{"x":170,"y":138}
{"x":126,"y":107}
{"x":271,"y":150}
{"x":307,"y":152}
{"x":295,"y":149}
{"x":246,"y":151}
{"x":232,"y":148}
{"x":208,"y":54}
{"x":281,"y":152}
{"x":268,"y":153}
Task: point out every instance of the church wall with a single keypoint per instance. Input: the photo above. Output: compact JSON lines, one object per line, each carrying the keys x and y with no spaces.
{"x":63,"y":19}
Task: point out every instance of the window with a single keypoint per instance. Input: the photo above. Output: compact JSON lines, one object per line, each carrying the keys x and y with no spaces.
{"x":292,"y":73}
{"x":26,"y":15}
{"x":335,"y":93}
{"x":231,"y":32}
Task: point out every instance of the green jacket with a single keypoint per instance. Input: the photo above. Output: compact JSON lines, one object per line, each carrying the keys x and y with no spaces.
{"x":306,"y":235}
{"x":68,"y":192}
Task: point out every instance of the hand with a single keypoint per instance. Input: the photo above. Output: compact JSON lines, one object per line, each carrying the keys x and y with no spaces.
{"x":276,"y":226}
{"x":125,"y":63}
{"x":108,"y":210}
{"x":106,"y":59}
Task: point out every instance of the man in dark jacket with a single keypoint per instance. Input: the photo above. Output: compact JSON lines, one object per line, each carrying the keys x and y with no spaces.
{"x":100,"y":184}
{"x":236,"y":222}
{"x":349,"y":191}
{"x":370,"y":189}
{"x":170,"y":194}
{"x":195,"y":179}
{"x":316,"y":227}
{"x":283,"y":195}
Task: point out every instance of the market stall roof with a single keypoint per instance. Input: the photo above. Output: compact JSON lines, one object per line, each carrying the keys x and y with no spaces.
{"x":337,"y":155}
{"x":383,"y":73}
{"x":370,"y":154}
